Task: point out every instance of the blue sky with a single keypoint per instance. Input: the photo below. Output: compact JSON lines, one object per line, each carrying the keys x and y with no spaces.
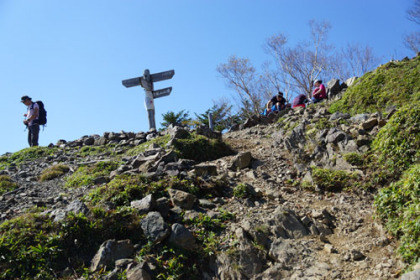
{"x":74,"y":54}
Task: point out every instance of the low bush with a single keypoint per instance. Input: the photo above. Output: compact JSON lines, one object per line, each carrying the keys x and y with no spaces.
{"x":398,"y":206}
{"x":397,"y":144}
{"x":6,"y":184}
{"x":86,"y":175}
{"x":333,"y":180}
{"x":395,"y":83}
{"x":53,"y":172}
{"x":201,"y":148}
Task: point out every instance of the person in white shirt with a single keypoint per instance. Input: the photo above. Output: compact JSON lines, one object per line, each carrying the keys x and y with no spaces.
{"x":30,"y":117}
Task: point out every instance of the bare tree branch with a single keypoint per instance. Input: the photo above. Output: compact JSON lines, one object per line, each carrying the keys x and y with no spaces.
{"x":413,"y":14}
{"x":241,"y":76}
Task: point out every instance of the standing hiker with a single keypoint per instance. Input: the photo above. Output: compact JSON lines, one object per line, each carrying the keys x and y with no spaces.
{"x":31,"y":116}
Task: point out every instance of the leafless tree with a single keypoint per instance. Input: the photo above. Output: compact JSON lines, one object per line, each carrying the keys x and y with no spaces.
{"x":360,"y":59}
{"x":413,"y":13}
{"x":305,"y":62}
{"x":241,"y":76}
{"x":412,"y":40}
{"x":274,"y":80}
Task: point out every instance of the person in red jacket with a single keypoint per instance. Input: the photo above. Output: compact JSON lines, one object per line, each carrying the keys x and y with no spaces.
{"x":319,"y":92}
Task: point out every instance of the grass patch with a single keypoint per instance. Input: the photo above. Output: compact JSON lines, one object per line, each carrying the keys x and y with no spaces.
{"x":53,"y":172}
{"x":95,"y":150}
{"x":28,"y":154}
{"x":395,"y":83}
{"x":354,"y":159}
{"x":34,"y":247}
{"x":6,"y":184}
{"x":86,"y":175}
{"x":333,"y":180}
{"x":241,"y":191}
{"x":125,"y":188}
{"x":161,"y":141}
{"x":201,"y":148}
{"x":398,"y":206}
{"x":397,"y":144}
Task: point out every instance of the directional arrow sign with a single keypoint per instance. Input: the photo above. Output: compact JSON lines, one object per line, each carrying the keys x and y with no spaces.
{"x":131,"y":82}
{"x":162,"y":76}
{"x":162,"y":92}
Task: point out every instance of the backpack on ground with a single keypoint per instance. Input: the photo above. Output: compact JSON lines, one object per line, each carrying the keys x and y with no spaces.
{"x":42,"y":114}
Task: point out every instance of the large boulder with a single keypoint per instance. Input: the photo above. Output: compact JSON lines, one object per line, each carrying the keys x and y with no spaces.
{"x":333,"y":87}
{"x":181,"y":237}
{"x":154,"y":227}
{"x":241,"y":161}
{"x":110,"y":251}
{"x":182,"y":199}
{"x":144,"y":205}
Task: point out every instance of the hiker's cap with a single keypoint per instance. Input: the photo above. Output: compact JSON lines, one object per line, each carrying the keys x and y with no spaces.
{"x":24,"y":98}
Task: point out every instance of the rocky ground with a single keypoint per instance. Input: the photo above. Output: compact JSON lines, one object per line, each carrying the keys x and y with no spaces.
{"x":281,"y":230}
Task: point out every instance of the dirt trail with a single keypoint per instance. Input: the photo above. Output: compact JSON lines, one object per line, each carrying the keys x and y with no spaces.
{"x":358,"y":248}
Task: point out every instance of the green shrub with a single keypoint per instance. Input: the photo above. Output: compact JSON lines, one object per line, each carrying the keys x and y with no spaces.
{"x":333,"y":180}
{"x":241,"y":191}
{"x":123,"y":189}
{"x":86,"y":175}
{"x":53,"y":172}
{"x":201,"y":148}
{"x":6,"y":184}
{"x":161,"y":141}
{"x":390,"y":84}
{"x":354,"y":159}
{"x":397,"y":144}
{"x":28,"y":154}
{"x":34,"y":247}
{"x":398,"y":205}
{"x":28,"y":249}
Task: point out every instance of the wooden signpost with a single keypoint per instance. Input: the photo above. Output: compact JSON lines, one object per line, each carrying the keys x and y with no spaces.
{"x":146,"y":81}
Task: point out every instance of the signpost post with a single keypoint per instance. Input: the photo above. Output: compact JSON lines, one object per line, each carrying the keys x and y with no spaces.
{"x":146,"y":81}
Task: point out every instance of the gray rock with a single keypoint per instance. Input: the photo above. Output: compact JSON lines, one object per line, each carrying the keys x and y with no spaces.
{"x":359,"y":118}
{"x":241,"y":161}
{"x":205,"y":170}
{"x":339,"y":115}
{"x":206,"y":204}
{"x":356,"y":255}
{"x":144,"y":205}
{"x":287,"y":224}
{"x":283,"y":251}
{"x":177,"y":132}
{"x":362,"y":140}
{"x":350,"y":81}
{"x":182,"y":199}
{"x":370,"y":123}
{"x":77,"y":207}
{"x":138,"y":273}
{"x":182,"y":237}
{"x":110,"y":251}
{"x":162,"y":206}
{"x":336,"y":136}
{"x":333,"y":87}
{"x":413,"y":275}
{"x":89,"y":141}
{"x":154,"y":227}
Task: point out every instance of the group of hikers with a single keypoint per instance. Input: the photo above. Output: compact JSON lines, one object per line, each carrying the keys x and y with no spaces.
{"x":278,"y":102}
{"x":36,"y":114}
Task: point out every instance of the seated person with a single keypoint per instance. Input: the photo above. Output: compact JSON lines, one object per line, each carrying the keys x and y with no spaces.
{"x":300,"y":101}
{"x":319,"y":92}
{"x":276,"y":103}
